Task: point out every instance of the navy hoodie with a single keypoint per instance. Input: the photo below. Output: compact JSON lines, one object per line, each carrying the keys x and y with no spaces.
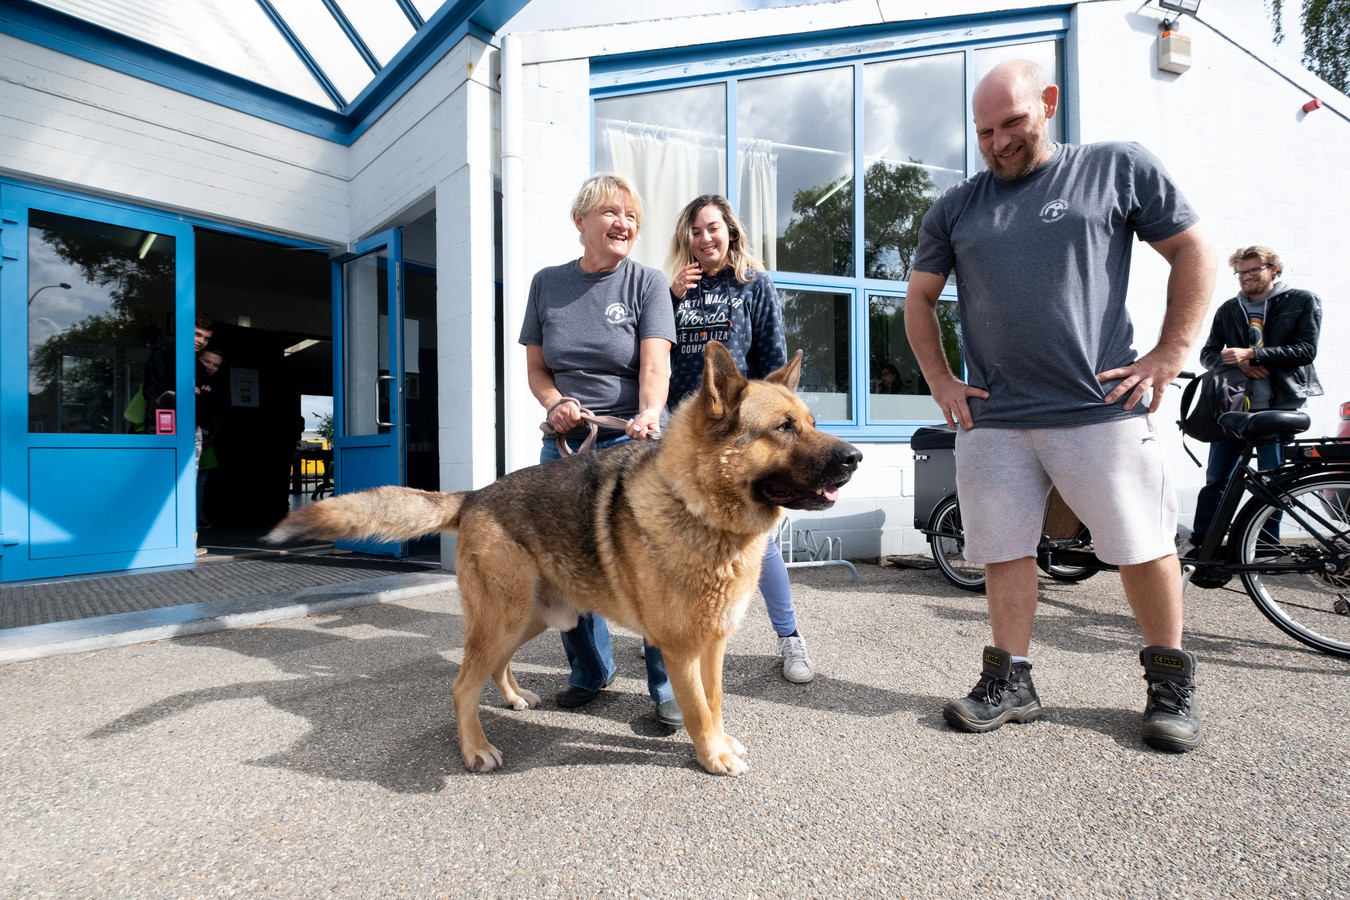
{"x":746,"y":318}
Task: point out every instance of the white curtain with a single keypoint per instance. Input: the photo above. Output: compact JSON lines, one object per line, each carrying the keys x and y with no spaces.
{"x":758,"y":174}
{"x":669,"y":168}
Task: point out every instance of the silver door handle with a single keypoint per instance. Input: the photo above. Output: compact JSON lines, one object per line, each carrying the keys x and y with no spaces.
{"x":377,"y":395}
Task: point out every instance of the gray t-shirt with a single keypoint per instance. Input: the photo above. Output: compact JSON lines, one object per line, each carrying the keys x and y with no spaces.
{"x":1259,"y":390}
{"x":590,"y":327}
{"x":1042,"y":268}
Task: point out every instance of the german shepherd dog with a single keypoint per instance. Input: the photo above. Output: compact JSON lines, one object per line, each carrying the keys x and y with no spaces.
{"x":664,"y":538}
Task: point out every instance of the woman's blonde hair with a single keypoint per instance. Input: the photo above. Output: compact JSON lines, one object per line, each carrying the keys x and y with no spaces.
{"x":739,"y":256}
{"x":596,"y":191}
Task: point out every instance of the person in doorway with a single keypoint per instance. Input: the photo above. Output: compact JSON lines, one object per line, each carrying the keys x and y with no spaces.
{"x":1269,"y":331}
{"x":722,"y":293}
{"x":1056,"y":395}
{"x":597,"y":336}
{"x":208,"y":396}
{"x":202,"y":330}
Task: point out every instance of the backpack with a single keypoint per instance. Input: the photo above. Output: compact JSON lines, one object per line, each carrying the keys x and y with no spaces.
{"x":1211,"y":395}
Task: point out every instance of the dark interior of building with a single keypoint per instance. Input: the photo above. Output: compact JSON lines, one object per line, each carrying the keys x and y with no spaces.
{"x":272,"y":311}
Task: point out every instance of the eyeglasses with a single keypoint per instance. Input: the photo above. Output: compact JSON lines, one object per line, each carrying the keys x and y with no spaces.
{"x":1242,"y":273}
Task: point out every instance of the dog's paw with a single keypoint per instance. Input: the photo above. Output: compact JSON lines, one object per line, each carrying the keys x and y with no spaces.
{"x":524,"y":700}
{"x":734,"y":745}
{"x":485,"y":759}
{"x":725,"y":763}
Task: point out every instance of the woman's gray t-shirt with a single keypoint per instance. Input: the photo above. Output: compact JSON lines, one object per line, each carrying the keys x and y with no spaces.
{"x":590,"y":327}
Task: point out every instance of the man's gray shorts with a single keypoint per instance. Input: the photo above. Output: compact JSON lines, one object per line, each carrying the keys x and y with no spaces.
{"x":1113,"y":476}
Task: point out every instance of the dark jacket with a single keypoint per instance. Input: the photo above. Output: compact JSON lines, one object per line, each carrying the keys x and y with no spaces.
{"x":746,"y":318}
{"x":1292,"y":327}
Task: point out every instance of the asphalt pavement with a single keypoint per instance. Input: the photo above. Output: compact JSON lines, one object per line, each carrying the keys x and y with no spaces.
{"x":317,"y":756}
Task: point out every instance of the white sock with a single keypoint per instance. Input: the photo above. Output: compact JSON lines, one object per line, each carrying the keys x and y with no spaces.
{"x":1018,"y":659}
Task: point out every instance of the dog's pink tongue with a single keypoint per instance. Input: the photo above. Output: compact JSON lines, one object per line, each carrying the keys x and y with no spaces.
{"x":831,"y":493}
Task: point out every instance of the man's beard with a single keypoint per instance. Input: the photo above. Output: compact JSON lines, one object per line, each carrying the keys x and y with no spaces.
{"x":1033,"y":149}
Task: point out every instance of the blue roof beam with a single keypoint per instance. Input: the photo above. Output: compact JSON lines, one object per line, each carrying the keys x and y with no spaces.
{"x":411,"y":12}
{"x":352,"y":35}
{"x":306,"y":59}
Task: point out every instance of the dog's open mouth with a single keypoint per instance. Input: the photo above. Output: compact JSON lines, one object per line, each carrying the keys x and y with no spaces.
{"x":777,"y":493}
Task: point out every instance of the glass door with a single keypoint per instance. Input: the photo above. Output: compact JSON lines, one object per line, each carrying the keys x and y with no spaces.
{"x":97,"y":470}
{"x":368,"y":372}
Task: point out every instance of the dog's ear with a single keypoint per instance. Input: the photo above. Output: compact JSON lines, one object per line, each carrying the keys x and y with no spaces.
{"x":722,"y":380}
{"x":789,"y":375}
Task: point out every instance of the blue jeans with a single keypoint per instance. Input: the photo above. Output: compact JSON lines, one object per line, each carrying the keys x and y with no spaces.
{"x":773,"y":584}
{"x":588,"y":648}
{"x":1224,"y":457}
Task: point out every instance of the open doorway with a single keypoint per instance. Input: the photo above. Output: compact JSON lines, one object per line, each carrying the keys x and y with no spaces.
{"x":273,"y":323}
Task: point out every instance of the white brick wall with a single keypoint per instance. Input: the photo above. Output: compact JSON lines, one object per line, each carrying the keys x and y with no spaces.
{"x":73,"y":124}
{"x":1259,"y":171}
{"x":1229,"y":130}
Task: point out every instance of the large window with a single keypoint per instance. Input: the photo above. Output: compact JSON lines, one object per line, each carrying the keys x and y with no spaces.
{"x":831,"y":163}
{"x":101,"y":304}
{"x":915,"y":148}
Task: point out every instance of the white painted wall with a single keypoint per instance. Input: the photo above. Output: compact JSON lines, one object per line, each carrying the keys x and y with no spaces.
{"x":433,"y":150}
{"x":73,"y":124}
{"x":1230,"y":131}
{"x":556,"y":149}
{"x":1259,"y":171}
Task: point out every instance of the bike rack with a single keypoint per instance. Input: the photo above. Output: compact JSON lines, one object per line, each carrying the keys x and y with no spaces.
{"x":826,"y":551}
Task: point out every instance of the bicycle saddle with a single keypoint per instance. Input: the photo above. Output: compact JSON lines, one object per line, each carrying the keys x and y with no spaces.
{"x":1266,"y":426}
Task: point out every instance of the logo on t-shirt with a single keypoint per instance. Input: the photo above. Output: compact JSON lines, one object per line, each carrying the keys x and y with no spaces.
{"x":1054,"y":211}
{"x":616,"y":314}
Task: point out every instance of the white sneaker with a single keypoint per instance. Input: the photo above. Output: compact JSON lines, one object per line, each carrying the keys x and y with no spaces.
{"x":797,"y":666}
{"x":1186,"y":549}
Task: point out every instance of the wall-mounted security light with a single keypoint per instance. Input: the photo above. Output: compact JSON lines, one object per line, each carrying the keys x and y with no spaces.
{"x":1174,"y":48}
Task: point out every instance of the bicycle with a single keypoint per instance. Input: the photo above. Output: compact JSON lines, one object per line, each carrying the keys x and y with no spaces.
{"x":935,"y":494}
{"x":1289,"y":542}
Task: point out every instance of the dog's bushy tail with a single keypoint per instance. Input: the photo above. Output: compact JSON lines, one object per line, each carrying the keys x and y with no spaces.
{"x":386,"y":513}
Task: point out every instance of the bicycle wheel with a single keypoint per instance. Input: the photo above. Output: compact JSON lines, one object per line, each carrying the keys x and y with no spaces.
{"x":949,"y":552}
{"x":1312,"y":607}
{"x":1061,"y":572}
{"x":1069,"y":573}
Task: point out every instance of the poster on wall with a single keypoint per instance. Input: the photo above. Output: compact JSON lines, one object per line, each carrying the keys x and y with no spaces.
{"x":244,"y":387}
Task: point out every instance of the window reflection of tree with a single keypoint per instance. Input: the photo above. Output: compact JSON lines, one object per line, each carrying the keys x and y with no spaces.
{"x":819,"y":238}
{"x":88,"y":373}
{"x":817,"y":323}
{"x":888,"y":344}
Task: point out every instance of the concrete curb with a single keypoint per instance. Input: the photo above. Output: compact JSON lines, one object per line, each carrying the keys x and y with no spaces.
{"x":121,"y":629}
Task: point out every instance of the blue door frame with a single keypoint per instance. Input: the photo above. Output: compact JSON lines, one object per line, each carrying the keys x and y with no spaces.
{"x":368,"y":352}
{"x":94,"y":501}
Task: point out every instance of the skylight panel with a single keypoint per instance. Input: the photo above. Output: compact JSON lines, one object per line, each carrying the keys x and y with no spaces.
{"x":328,"y":44}
{"x":234,"y":37}
{"x":381,"y":24}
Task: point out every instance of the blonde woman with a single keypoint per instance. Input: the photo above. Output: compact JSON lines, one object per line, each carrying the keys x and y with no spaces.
{"x":722,"y":293}
{"x":597,"y":335}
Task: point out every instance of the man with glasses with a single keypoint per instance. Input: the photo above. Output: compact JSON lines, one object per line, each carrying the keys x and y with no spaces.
{"x":1269,"y":331}
{"x":1056,"y":394}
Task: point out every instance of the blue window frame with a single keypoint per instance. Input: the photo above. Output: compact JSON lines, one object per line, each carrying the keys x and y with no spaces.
{"x":831,"y":146}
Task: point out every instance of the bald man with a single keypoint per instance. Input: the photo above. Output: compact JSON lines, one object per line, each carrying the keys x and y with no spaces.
{"x":1055,"y":393}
